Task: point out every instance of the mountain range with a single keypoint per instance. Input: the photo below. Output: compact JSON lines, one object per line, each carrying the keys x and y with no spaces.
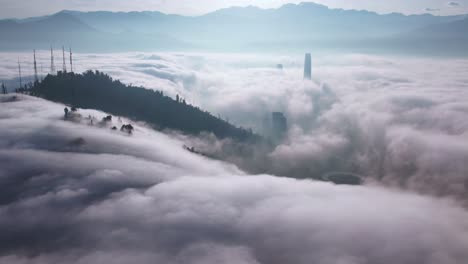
{"x":288,"y":28}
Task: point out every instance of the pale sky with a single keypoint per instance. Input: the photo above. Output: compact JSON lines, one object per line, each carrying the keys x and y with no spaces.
{"x":28,"y":8}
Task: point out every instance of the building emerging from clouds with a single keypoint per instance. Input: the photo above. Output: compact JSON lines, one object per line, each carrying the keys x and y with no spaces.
{"x":279,"y":126}
{"x":307,"y":67}
{"x":275,"y":126}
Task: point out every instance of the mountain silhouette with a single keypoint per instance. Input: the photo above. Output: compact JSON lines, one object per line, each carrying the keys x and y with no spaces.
{"x":289,"y":27}
{"x":64,"y":28}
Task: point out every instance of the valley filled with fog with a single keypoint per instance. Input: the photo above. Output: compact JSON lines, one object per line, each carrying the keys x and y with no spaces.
{"x":397,"y":120}
{"x":75,"y":191}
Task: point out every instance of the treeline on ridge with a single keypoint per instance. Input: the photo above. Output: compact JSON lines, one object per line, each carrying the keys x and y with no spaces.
{"x":96,"y":90}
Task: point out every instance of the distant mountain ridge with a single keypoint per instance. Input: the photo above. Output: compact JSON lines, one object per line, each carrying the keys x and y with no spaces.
{"x":289,"y":27}
{"x":64,"y":28}
{"x":449,"y":38}
{"x":449,"y":29}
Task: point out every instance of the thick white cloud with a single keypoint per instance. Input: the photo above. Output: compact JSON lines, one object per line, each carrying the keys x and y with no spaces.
{"x":401,"y":121}
{"x":72,"y":192}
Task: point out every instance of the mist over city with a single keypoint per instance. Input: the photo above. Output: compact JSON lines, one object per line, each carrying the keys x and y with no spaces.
{"x":233,"y":132}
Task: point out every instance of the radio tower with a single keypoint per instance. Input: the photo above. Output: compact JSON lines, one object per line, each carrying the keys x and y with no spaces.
{"x":64,"y":64}
{"x":307,"y":67}
{"x":42,"y":71}
{"x":52,"y":66}
{"x":19,"y":71}
{"x":71,"y":61}
{"x":36,"y":79}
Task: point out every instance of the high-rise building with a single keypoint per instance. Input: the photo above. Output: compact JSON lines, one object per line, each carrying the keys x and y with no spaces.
{"x":279,"y":126}
{"x":307,"y":67}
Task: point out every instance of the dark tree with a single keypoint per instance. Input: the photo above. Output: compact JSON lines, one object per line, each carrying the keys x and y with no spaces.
{"x":127,"y":128}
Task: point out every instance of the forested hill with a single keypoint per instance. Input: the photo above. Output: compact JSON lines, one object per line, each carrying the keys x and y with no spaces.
{"x":97,"y":90}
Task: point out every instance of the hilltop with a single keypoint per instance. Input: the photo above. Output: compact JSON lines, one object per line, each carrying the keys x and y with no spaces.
{"x":96,"y":90}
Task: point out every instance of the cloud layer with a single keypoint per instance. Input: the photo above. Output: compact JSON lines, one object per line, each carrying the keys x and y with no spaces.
{"x":75,"y":191}
{"x":397,"y":121}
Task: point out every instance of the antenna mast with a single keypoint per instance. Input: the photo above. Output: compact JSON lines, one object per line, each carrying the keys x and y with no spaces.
{"x":52,"y":66}
{"x":307,"y":67}
{"x":19,"y":71}
{"x":63,"y":56}
{"x":36,"y":79}
{"x":42,"y":71}
{"x":71,"y":61}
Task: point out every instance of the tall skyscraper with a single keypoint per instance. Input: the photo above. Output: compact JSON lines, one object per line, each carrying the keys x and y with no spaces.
{"x":308,"y":67}
{"x":279,"y":126}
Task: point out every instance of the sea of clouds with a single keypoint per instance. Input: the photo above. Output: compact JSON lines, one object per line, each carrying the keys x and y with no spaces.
{"x":400,"y":121}
{"x":72,"y":190}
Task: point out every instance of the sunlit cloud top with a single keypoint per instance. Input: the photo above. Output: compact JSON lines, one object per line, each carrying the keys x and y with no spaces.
{"x":26,"y":8}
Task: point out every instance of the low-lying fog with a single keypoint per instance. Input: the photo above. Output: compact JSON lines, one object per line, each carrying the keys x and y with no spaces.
{"x":72,"y":192}
{"x":402,"y":121}
{"x":76,"y":193}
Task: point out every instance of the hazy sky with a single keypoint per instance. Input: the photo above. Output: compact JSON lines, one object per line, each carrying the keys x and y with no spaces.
{"x":26,"y":8}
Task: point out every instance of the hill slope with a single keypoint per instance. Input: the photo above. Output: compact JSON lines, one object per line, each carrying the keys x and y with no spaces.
{"x":96,"y":90}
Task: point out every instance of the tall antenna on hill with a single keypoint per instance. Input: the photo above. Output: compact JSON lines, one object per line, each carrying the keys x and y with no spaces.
{"x":36,"y":79}
{"x":42,"y":71}
{"x":19,"y":71}
{"x":307,"y":67}
{"x":71,"y":61}
{"x":64,"y":64}
{"x":52,"y":66}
